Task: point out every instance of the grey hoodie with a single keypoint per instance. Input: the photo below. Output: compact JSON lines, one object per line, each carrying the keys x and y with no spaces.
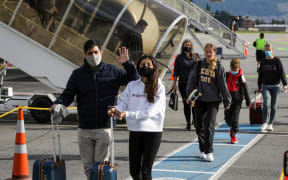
{"x":212,"y":85}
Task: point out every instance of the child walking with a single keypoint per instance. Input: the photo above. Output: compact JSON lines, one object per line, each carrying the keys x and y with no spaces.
{"x":237,"y":87}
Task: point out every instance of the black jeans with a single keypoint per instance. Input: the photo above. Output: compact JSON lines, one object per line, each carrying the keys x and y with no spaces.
{"x":260,"y":55}
{"x":205,"y":124}
{"x":143,"y":147}
{"x":231,"y":117}
{"x":187,"y":107}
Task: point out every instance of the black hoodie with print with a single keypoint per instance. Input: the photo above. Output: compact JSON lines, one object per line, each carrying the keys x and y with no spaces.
{"x":212,"y":84}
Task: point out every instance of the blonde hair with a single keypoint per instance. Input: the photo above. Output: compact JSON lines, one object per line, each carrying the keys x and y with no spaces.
{"x":213,"y":62}
{"x":235,"y":64}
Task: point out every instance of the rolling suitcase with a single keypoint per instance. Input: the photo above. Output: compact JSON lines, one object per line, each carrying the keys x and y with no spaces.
{"x":50,"y":168}
{"x":255,"y":111}
{"x":105,"y":170}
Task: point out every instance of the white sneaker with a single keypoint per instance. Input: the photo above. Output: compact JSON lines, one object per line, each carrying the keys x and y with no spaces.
{"x":210,"y":157}
{"x":264,"y":127}
{"x":202,"y":155}
{"x":270,"y":127}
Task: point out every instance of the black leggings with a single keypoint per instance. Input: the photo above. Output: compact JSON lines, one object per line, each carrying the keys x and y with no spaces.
{"x":231,"y":117}
{"x":143,"y":147}
{"x":187,"y":107}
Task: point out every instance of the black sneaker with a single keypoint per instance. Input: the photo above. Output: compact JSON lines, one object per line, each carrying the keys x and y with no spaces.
{"x":188,"y":127}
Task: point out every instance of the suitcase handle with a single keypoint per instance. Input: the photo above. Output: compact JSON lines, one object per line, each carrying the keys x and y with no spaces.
{"x":112,"y":142}
{"x":254,"y":103}
{"x":54,"y":140}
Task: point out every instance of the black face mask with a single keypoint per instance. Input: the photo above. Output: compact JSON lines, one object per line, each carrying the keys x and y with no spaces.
{"x":187,"y":49}
{"x":145,"y":71}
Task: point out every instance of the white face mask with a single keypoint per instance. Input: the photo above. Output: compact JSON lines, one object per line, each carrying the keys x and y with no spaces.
{"x":94,"y":60}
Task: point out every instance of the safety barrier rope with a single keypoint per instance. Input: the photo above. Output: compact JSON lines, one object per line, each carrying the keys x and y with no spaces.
{"x":26,"y":107}
{"x":5,"y":114}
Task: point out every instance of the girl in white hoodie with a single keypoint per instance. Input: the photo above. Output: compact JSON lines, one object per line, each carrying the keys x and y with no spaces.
{"x":143,"y":104}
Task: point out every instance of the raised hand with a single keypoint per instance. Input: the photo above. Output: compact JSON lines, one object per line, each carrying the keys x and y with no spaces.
{"x":124,"y":56}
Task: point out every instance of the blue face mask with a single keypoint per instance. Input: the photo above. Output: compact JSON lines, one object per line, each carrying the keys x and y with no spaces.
{"x":268,"y":53}
{"x":234,"y":72}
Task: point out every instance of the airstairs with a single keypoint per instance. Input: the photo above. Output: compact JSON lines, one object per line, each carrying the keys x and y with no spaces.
{"x":204,"y":22}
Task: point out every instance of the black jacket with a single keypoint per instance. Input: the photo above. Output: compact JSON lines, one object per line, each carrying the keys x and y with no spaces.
{"x":183,"y":67}
{"x":95,"y":91}
{"x":271,"y":72}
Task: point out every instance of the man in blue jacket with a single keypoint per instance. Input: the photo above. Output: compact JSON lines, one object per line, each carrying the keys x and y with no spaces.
{"x":96,"y":85}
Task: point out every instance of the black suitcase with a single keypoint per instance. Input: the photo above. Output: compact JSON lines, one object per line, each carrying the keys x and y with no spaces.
{"x":50,"y":168}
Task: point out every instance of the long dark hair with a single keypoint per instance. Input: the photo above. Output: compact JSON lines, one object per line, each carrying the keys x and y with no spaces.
{"x":182,"y":47}
{"x":151,"y":86}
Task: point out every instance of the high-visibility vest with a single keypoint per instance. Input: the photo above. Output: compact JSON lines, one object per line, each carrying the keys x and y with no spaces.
{"x":260,"y":44}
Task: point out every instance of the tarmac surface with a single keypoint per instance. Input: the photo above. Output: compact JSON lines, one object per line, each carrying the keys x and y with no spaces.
{"x":256,"y":156}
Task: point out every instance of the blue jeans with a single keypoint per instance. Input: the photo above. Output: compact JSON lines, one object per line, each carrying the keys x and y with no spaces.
{"x":270,"y":98}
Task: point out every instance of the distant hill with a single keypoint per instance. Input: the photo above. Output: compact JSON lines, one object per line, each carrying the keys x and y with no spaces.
{"x":262,"y":9}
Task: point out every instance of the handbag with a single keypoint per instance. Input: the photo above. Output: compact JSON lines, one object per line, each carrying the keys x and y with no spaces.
{"x":173,"y":102}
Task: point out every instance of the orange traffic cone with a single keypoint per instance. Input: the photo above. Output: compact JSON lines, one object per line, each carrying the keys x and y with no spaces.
{"x":246,"y":48}
{"x":20,"y":162}
{"x":172,"y":77}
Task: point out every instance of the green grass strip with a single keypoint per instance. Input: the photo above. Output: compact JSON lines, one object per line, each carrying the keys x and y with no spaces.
{"x":254,"y":77}
{"x":279,"y":42}
{"x":251,"y":77}
{"x":282,"y":49}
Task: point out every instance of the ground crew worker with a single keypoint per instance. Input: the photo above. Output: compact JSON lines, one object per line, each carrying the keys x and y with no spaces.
{"x":95,"y":85}
{"x":234,"y":28}
{"x":260,"y":53}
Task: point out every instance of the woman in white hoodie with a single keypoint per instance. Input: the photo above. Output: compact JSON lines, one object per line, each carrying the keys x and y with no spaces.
{"x":143,"y":104}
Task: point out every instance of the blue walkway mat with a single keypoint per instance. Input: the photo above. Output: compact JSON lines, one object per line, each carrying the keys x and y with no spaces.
{"x":186,"y":163}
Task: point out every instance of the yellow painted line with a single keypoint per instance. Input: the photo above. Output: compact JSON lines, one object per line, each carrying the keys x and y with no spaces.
{"x":281,"y":175}
{"x":254,"y":77}
{"x":279,"y":42}
{"x":282,"y":49}
{"x":251,"y":77}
